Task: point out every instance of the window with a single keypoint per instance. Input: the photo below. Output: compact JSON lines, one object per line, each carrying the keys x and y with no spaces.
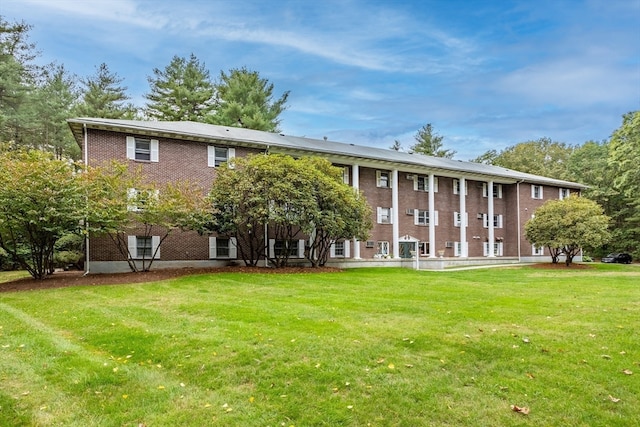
{"x":339,"y":249}
{"x":497,"y":190}
{"x":563,"y":193}
{"x":138,"y":199}
{"x":421,"y":183}
{"x":497,"y":248}
{"x":423,"y":248}
{"x":223,"y":247}
{"x":497,"y":221}
{"x":456,"y":186}
{"x":383,"y":179}
{"x":142,"y":149}
{"x":383,"y":248}
{"x":457,"y":219}
{"x":345,"y":175}
{"x":457,"y":248}
{"x":384,"y":216}
{"x":280,"y":248}
{"x":421,"y":217}
{"x":536,"y":191}
{"x":219,"y":155}
{"x":537,"y":251}
{"x":144,"y":247}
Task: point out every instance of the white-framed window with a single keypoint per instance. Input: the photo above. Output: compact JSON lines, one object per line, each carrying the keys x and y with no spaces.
{"x":421,"y":217}
{"x":223,"y":247}
{"x":142,"y":149}
{"x":143,"y":246}
{"x":219,"y":155}
{"x":385,"y":215}
{"x":456,"y":186}
{"x":138,"y":199}
{"x":340,"y":249}
{"x":497,"y":221}
{"x":383,"y":248}
{"x":498,"y":248}
{"x":421,"y":183}
{"x":563,"y":193}
{"x":457,"y":219}
{"x":345,"y":175}
{"x":457,"y":248}
{"x":423,"y":248}
{"x":497,"y":190}
{"x":383,"y":179}
{"x":537,"y":250}
{"x":536,"y":191}
{"x":278,"y":248}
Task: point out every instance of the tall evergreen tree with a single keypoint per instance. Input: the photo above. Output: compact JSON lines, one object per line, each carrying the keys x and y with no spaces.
{"x":54,"y":102}
{"x":244,"y":99}
{"x":104,"y":96}
{"x":182,"y":91}
{"x":429,"y":143}
{"x":17,"y":81}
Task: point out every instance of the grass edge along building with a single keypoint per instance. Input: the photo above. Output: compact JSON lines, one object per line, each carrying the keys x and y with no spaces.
{"x":429,"y":212}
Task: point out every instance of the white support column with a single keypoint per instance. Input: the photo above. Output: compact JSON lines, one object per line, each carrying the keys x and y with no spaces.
{"x":395,"y":213}
{"x":432,"y":217}
{"x":490,"y":214}
{"x":355,"y":183}
{"x":464,"y":252}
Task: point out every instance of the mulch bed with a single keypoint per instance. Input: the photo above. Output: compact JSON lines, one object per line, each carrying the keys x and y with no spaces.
{"x":77,"y":278}
{"x":64,"y":279}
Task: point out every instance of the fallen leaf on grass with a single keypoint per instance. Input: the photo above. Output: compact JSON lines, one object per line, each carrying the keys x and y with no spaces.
{"x":520,"y":409}
{"x":627,"y":372}
{"x":530,"y":375}
{"x":614,"y":399}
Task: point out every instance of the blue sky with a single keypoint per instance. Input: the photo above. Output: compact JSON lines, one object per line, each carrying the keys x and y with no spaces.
{"x":485,"y":74}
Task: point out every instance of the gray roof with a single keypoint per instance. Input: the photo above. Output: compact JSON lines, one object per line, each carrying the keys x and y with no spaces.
{"x":337,"y":152}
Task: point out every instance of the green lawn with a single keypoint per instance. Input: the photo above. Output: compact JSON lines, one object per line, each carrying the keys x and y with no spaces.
{"x":378,"y":347}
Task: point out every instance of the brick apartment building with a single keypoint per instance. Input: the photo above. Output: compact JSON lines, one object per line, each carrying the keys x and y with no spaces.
{"x":429,"y":212}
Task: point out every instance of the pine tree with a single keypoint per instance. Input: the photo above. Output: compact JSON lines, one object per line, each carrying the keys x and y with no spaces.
{"x":104,"y":96}
{"x":182,"y":91}
{"x":429,"y":143}
{"x":243,"y":99}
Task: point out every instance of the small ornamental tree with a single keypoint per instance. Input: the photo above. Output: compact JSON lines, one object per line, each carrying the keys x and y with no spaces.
{"x":262,"y":191}
{"x":122,"y":205}
{"x":566,"y":226}
{"x":287,"y":199}
{"x":343,"y":212}
{"x":42,"y":199}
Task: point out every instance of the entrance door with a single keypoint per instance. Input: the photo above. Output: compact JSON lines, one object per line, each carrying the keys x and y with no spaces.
{"x":406,"y":248}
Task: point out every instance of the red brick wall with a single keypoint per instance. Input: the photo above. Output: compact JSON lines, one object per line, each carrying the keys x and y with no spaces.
{"x":187,"y":160}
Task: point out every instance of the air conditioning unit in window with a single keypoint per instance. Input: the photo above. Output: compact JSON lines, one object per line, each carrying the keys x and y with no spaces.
{"x":409,"y":211}
{"x":370,"y":244}
{"x":448,"y":244}
{"x":480,"y":216}
{"x":410,"y":177}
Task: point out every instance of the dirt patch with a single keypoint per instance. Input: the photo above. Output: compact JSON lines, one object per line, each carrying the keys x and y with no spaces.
{"x":561,"y":266}
{"x":77,"y":278}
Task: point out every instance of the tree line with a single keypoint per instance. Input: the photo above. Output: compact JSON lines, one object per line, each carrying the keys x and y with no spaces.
{"x":610,"y":169}
{"x":35,"y":101}
{"x":295,"y":199}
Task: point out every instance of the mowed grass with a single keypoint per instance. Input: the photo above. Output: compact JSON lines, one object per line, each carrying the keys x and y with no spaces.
{"x":365,"y":347}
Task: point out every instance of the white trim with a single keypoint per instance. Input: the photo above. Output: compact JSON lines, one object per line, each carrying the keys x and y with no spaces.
{"x":155,"y":150}
{"x":155,"y":247}
{"x":132,"y":246}
{"x":131,"y":147}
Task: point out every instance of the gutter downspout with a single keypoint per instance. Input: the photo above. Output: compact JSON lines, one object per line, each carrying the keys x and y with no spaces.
{"x":518,"y":219}
{"x":86,"y":222}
